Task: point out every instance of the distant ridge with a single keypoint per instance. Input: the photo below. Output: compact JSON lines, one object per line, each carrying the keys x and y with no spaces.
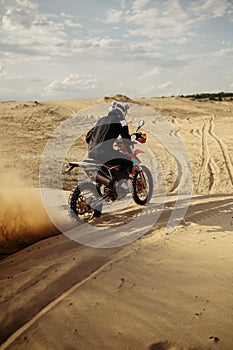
{"x":212,"y":96}
{"x":119,"y":98}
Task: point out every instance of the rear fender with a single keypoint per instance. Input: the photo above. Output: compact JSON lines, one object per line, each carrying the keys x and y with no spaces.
{"x":85,"y":165}
{"x":70,"y":166}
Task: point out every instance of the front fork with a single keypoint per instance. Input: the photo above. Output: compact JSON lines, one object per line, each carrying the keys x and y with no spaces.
{"x":136,"y":167}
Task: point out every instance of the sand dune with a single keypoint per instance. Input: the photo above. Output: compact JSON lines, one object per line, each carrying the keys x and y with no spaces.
{"x":162,"y":291}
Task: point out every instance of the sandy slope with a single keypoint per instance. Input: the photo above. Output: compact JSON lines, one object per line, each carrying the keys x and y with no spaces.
{"x":173,"y":290}
{"x":162,"y":291}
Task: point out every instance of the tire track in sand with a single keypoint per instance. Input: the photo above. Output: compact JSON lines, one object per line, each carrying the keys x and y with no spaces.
{"x":224,"y":149}
{"x":205,"y":158}
{"x":208,"y":163}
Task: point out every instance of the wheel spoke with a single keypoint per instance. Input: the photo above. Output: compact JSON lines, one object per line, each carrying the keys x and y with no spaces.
{"x":83,"y":202}
{"x":142,"y":186}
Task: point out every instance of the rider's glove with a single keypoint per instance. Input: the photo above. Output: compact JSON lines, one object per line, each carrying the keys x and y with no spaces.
{"x":133,"y":137}
{"x":136,"y":136}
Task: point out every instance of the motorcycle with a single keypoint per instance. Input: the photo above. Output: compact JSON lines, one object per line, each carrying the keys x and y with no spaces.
{"x":87,"y":198}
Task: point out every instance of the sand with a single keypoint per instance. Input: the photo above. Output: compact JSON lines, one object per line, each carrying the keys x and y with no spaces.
{"x":160,"y":292}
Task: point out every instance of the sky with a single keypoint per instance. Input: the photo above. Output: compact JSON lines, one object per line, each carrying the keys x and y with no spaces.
{"x":72,"y":49}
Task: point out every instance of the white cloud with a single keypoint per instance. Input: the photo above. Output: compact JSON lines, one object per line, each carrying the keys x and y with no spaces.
{"x":139,"y":4}
{"x":45,"y":34}
{"x":70,"y":20}
{"x":183,"y":40}
{"x":96,"y":44}
{"x":152,"y":37}
{"x":150,"y":73}
{"x":122,"y":3}
{"x":27,"y":32}
{"x":106,"y":42}
{"x":171,"y":20}
{"x":6,"y":75}
{"x":224,"y":52}
{"x":17,"y":18}
{"x":27,"y":4}
{"x":74,"y":83}
{"x":165,"y":85}
{"x":230,"y":12}
{"x":6,"y":90}
{"x":146,"y":18}
{"x":202,"y":9}
{"x":66,"y":15}
{"x":167,"y":20}
{"x":146,"y":50}
{"x":81,"y":81}
{"x":3,"y":72}
{"x":113,"y":16}
{"x":70,"y":23}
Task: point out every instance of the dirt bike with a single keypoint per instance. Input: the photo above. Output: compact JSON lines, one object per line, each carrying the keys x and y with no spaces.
{"x":87,"y":198}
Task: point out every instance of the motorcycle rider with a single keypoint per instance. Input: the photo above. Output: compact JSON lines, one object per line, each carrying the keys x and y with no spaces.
{"x":102,"y":136}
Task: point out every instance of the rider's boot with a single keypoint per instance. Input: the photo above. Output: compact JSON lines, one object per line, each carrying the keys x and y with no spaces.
{"x":97,"y":214}
{"x":122,"y":188}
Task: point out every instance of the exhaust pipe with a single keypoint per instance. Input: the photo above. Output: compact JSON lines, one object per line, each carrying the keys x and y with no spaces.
{"x":103,"y":179}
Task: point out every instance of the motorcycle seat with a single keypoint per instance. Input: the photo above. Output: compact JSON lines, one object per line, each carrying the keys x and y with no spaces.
{"x":90,"y":160}
{"x":95,"y":162}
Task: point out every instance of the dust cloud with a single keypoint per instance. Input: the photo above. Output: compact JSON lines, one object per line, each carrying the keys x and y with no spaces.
{"x":23,"y":219}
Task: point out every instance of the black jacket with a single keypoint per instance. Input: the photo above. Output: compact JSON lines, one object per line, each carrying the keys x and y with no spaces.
{"x":107,"y":128}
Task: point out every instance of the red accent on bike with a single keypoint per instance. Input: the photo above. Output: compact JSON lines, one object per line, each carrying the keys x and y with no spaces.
{"x":133,"y":171}
{"x":141,"y":186}
{"x":142,"y":139}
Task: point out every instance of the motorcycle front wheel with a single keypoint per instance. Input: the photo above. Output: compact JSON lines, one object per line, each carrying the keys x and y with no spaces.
{"x":142,"y":183}
{"x":83,"y":201}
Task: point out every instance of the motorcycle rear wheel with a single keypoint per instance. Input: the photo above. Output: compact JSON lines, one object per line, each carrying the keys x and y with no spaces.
{"x":142,"y":183}
{"x":82,"y":201}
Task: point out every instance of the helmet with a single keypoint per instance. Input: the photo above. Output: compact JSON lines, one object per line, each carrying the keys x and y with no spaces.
{"x":120,"y":108}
